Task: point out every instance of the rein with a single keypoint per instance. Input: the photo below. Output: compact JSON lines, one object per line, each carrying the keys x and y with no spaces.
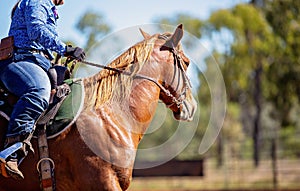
{"x":139,"y":76}
{"x":125,"y":73}
{"x":177,"y":61}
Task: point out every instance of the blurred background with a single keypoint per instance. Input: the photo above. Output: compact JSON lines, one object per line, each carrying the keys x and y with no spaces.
{"x":256,"y":45}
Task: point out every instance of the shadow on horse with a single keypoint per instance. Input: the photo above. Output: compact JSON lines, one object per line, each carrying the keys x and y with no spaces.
{"x":98,"y":151}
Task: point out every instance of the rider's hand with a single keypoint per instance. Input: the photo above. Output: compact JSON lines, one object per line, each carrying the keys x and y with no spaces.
{"x":76,"y":53}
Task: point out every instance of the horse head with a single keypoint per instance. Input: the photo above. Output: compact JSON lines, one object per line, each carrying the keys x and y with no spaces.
{"x":174,"y":83}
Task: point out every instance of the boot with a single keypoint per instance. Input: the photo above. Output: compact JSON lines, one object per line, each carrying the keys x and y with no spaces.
{"x":12,"y":169}
{"x":9,"y":168}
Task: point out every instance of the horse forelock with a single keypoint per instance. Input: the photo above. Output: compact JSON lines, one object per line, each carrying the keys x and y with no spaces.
{"x":108,"y":85}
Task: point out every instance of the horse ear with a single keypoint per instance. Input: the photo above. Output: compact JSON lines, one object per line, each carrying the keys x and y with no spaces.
{"x":174,"y":40}
{"x":145,"y":35}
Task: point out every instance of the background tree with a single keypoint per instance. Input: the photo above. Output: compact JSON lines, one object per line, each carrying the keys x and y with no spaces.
{"x":93,"y":25}
{"x":283,"y":74}
{"x":247,"y":60}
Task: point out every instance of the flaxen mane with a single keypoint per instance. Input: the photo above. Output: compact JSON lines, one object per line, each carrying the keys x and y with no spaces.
{"x":107,"y":84}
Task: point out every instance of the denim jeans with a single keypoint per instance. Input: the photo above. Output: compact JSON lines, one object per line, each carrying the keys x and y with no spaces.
{"x":26,"y":79}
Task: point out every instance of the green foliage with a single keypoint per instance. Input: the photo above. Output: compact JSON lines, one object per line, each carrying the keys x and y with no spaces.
{"x":253,"y":43}
{"x":284,"y":71}
{"x":263,"y":41}
{"x":270,"y":41}
{"x":223,"y":18}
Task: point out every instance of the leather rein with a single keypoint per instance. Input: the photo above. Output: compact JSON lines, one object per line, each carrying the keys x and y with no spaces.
{"x":178,"y":62}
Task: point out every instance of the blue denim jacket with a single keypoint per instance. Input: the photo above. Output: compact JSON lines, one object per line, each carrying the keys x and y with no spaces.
{"x":34,"y":26}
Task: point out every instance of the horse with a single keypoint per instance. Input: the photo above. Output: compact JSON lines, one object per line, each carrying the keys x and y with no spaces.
{"x":98,"y":151}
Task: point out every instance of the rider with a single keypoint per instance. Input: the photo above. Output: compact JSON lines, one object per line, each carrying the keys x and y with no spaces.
{"x":35,"y":35}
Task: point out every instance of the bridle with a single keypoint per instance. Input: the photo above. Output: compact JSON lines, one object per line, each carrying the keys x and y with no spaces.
{"x":179,"y":70}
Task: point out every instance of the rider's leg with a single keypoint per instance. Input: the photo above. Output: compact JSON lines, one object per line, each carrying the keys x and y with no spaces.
{"x":31,"y":83}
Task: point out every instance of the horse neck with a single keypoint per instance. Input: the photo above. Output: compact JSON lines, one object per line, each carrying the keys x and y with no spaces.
{"x":143,"y":102}
{"x":129,"y":98}
{"x":138,"y":107}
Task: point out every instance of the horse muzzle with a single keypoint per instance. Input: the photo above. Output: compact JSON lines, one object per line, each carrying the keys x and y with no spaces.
{"x":187,"y":111}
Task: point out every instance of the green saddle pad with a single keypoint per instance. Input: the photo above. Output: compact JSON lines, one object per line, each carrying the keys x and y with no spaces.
{"x":69,"y":110}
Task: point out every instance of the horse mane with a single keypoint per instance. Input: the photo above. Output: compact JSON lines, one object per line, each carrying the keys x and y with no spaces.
{"x":109,"y":85}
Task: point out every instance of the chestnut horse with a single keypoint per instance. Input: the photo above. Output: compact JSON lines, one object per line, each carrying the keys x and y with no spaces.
{"x":98,"y":150}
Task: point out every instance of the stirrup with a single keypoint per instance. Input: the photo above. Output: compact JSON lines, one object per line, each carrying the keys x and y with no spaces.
{"x":4,"y":155}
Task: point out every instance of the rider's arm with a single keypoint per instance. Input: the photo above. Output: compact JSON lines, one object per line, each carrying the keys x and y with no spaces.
{"x":41,"y":25}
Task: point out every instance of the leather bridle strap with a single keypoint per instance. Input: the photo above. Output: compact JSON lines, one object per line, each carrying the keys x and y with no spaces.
{"x":178,"y":63}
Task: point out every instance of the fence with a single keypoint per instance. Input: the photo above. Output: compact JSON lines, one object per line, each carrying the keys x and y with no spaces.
{"x":236,"y":173}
